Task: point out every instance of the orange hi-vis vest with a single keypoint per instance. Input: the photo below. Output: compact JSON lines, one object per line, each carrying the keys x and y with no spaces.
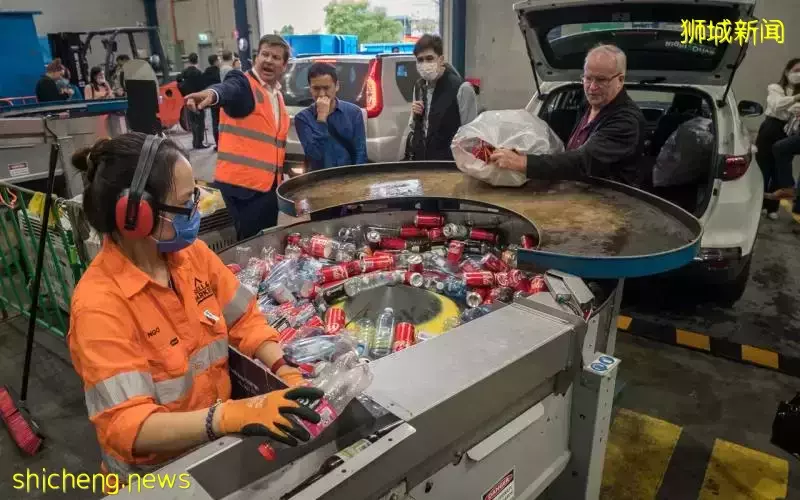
{"x":252,"y":149}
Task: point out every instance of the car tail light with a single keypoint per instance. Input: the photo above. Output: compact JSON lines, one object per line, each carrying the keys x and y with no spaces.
{"x":735,"y":166}
{"x":719,"y":258}
{"x":373,"y":89}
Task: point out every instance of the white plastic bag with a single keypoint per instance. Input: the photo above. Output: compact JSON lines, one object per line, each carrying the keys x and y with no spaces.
{"x":510,"y":129}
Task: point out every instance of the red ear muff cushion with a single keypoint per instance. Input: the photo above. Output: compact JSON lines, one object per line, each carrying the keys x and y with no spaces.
{"x":144,"y":222}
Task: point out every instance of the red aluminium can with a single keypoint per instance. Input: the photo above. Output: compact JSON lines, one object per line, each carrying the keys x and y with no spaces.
{"x":404,"y":336}
{"x":407,"y":232}
{"x":380,"y":263}
{"x":393,"y":244}
{"x":427,"y":219}
{"x":287,"y":335}
{"x":528,"y":241}
{"x":353,"y":268}
{"x":502,"y":279}
{"x":479,"y":279}
{"x":332,"y":273}
{"x":493,"y":263}
{"x":415,"y":263}
{"x":537,"y":285}
{"x":314,"y":322}
{"x":436,"y":234}
{"x":413,"y":279}
{"x":479,"y":234}
{"x":469,"y":266}
{"x":455,"y":251}
{"x":294,"y":239}
{"x":334,"y":320}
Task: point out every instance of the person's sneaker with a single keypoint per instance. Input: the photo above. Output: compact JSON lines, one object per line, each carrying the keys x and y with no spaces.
{"x":773,"y":215}
{"x":763,"y":211}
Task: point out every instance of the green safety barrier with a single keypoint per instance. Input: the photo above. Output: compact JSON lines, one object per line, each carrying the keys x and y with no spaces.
{"x":64,"y":262}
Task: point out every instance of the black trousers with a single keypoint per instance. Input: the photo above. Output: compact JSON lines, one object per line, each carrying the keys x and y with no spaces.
{"x":770,"y":132}
{"x":215,"y":124}
{"x":197,"y":120}
{"x":250,"y":210}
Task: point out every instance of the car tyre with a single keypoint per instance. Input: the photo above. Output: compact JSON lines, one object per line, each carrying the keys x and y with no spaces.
{"x":184,"y":120}
{"x":729,"y":293}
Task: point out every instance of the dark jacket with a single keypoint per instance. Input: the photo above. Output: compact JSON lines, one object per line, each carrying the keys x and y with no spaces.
{"x":191,"y":80}
{"x":212,"y":76}
{"x":47,"y":90}
{"x":613,"y":150}
{"x":444,"y":119}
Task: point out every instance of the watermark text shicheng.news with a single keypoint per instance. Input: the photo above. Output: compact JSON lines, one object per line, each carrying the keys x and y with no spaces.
{"x":753,"y":32}
{"x":97,"y":483}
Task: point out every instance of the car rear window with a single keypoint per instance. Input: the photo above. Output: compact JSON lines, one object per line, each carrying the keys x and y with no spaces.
{"x":406,"y":75}
{"x":652,"y":37}
{"x":296,"y":91}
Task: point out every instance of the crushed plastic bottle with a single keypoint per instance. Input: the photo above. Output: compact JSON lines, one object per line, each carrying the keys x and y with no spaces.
{"x":341,"y":381}
{"x":381,"y":344}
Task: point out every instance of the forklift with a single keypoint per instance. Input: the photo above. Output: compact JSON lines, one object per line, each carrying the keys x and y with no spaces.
{"x":73,"y":47}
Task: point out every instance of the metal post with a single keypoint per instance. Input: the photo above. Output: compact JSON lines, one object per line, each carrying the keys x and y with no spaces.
{"x":459,"y":35}
{"x":243,"y":33}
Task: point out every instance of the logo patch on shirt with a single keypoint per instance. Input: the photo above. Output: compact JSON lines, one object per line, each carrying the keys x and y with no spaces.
{"x":202,"y":290}
{"x":174,"y":341}
{"x":153,"y":332}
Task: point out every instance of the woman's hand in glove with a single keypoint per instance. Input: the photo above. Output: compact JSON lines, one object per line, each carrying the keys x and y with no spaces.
{"x":506,"y":158}
{"x":265,"y":415}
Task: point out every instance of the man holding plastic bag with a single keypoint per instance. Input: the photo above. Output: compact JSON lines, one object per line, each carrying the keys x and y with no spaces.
{"x":606,"y":142}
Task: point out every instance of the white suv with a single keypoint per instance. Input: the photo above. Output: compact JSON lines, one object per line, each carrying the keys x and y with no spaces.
{"x":661,"y":69}
{"x":382,"y":85}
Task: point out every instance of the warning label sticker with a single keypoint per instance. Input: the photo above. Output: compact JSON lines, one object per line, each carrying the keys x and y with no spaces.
{"x":18,"y":169}
{"x":503,"y":489}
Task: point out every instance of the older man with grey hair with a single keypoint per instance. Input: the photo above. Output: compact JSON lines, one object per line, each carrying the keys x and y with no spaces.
{"x":607,"y":141}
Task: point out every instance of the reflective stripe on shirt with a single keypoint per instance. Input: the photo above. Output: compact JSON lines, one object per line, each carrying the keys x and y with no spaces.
{"x":250,"y":162}
{"x":238,"y":305}
{"x":171,"y":390}
{"x":118,"y":389}
{"x":251,"y":134}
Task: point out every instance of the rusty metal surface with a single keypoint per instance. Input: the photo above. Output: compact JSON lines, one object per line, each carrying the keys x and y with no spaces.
{"x":598,"y":218}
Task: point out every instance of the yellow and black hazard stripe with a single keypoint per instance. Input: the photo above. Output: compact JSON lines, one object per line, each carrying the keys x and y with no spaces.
{"x":719,"y":347}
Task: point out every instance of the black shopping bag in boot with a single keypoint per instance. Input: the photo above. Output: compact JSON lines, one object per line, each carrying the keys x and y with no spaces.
{"x":786,"y":426}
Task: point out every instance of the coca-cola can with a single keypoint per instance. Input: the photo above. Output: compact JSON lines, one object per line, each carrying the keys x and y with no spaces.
{"x":320,"y":246}
{"x":476,"y":297}
{"x":404,"y":336}
{"x":353,"y":268}
{"x":455,"y":252}
{"x":331,"y":294}
{"x":408,"y":232}
{"x":373,"y":237}
{"x":413,"y":279}
{"x":537,"y":285}
{"x":415,"y":263}
{"x":455,"y":231}
{"x":528,"y":241}
{"x":502,"y":294}
{"x":492,"y":262}
{"x":523,"y":286}
{"x":314,"y":322}
{"x":294,"y":239}
{"x":469,"y":266}
{"x":383,"y":253}
{"x":392,"y":244}
{"x":379,"y":263}
{"x":474,"y":247}
{"x":287,"y":335}
{"x":332,"y":273}
{"x":436,"y":235}
{"x":479,"y":234}
{"x":479,"y":278}
{"x":427,"y":219}
{"x":502,"y":279}
{"x":334,"y":320}
{"x":515,"y":276}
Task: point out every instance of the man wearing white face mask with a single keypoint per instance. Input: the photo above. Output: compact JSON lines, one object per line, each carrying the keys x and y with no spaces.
{"x":443,"y":102}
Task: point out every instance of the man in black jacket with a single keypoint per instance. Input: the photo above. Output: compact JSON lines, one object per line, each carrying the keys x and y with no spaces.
{"x":606,"y":142}
{"x":443,"y":102}
{"x":212,"y":76}
{"x":191,"y":81}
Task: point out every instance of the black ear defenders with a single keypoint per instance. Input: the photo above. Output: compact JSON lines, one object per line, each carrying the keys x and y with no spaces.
{"x":136,"y":209}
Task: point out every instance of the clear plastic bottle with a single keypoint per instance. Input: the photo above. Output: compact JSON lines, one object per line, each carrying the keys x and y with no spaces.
{"x":364,"y":332}
{"x":369,"y":281}
{"x":381,"y":344}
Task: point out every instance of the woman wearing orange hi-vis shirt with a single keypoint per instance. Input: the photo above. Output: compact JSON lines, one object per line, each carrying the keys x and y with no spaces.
{"x":152,"y":318}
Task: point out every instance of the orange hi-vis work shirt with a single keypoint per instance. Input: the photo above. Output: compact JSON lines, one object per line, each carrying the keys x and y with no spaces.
{"x":252,"y":149}
{"x":142,"y":348}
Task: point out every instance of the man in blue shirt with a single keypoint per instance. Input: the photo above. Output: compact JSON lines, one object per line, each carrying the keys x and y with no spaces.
{"x":330,"y":130}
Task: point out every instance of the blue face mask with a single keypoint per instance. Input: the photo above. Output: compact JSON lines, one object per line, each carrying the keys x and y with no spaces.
{"x":186,"y":228}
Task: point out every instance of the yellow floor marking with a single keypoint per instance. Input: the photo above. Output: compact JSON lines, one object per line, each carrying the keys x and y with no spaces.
{"x":624,"y":322}
{"x":738,"y":473}
{"x":637,"y":456}
{"x":692,"y":339}
{"x":760,"y":356}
